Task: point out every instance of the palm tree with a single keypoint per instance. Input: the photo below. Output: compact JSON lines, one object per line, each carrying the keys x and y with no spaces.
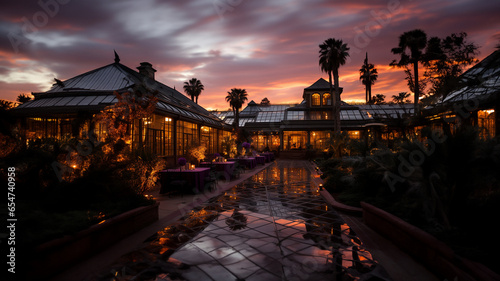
{"x":193,"y":88}
{"x":236,"y":99}
{"x":5,"y":104}
{"x":401,"y":98}
{"x":414,"y":41}
{"x":22,"y":98}
{"x":378,"y":99}
{"x":332,"y":54}
{"x":368,"y":75}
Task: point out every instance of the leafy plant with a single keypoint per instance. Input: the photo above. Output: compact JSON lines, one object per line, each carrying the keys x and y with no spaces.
{"x":442,"y":187}
{"x":229,"y":147}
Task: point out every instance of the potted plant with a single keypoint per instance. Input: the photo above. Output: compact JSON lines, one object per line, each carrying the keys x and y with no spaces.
{"x":182,"y":162}
{"x":246,"y":146}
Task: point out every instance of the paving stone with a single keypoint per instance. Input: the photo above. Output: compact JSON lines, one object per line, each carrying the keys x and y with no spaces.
{"x":273,"y":226}
{"x":263,"y":275}
{"x":192,"y":255}
{"x":216,"y":272}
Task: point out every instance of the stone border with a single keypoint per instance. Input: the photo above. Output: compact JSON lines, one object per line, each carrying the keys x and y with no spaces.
{"x":424,"y":247}
{"x":59,"y":254}
{"x":349,"y":210}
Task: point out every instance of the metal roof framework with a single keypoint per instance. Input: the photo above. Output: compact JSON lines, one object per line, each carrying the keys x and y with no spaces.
{"x":294,"y":116}
{"x":481,"y":82}
{"x":94,"y":90}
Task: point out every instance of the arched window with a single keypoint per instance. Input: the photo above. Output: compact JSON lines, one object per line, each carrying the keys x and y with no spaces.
{"x":315,"y":99}
{"x":327,"y":99}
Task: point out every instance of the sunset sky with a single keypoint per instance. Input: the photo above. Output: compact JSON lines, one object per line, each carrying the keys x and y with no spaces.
{"x":270,"y":48}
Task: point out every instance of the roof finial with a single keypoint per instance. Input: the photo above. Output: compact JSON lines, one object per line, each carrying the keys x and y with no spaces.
{"x":117,"y":57}
{"x":59,"y":83}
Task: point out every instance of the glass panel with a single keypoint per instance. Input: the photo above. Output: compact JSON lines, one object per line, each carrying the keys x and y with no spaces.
{"x":327,"y":100}
{"x":315,"y":99}
{"x":209,"y":139}
{"x":315,"y":115}
{"x":97,"y":100}
{"x":294,"y":140}
{"x":75,"y":101}
{"x":259,"y":142}
{"x":187,"y":135}
{"x":41,"y":128}
{"x":353,"y":134}
{"x":486,"y":123}
{"x":295,"y":115}
{"x":320,"y":139}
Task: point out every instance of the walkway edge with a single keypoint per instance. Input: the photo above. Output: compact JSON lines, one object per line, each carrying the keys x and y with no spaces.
{"x":349,"y":210}
{"x":91,"y":267}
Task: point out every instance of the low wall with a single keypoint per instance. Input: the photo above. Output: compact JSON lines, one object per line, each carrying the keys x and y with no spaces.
{"x":354,"y":211}
{"x":424,"y":247}
{"x":57,"y":255}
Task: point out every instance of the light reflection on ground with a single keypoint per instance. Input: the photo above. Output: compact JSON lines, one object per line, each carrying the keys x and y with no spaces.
{"x":273,"y":226}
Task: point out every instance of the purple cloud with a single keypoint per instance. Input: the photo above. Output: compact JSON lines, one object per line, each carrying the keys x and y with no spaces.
{"x":268,"y":47}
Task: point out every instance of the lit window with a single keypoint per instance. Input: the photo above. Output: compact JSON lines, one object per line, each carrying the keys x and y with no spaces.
{"x":315,"y":99}
{"x":353,"y":134}
{"x":327,"y":100}
{"x":486,"y":123}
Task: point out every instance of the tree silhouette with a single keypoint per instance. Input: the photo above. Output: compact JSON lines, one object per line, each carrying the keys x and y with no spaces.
{"x":445,"y":60}
{"x":368,"y":75}
{"x":265,"y":101}
{"x":5,"y":104}
{"x":378,"y":99}
{"x":236,"y":98}
{"x":410,"y":48}
{"x":332,"y":54}
{"x":193,"y":88}
{"x":22,"y":98}
{"x":136,"y":104}
{"x":401,"y":98}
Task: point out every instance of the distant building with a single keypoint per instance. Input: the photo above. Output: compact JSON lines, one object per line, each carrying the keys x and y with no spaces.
{"x":476,"y":101}
{"x":285,"y":127}
{"x":67,"y":110}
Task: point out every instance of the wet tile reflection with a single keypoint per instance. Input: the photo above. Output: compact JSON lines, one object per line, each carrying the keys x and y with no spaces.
{"x":273,"y":226}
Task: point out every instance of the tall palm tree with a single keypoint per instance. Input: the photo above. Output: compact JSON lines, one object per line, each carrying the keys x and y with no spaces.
{"x":413,"y":41}
{"x":332,"y":54}
{"x":236,"y":98}
{"x":401,"y":98}
{"x":368,"y":75}
{"x":193,"y":88}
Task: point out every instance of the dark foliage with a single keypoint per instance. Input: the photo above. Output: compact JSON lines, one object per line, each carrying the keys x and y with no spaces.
{"x":448,"y":186}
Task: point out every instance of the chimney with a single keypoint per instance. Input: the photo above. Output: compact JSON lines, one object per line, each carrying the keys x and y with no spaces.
{"x":147,"y":69}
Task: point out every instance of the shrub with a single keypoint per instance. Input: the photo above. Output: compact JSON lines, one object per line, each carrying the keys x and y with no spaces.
{"x":449,"y":190}
{"x":104,"y":188}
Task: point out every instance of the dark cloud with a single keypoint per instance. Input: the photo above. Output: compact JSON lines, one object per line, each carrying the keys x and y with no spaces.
{"x":269,"y":47}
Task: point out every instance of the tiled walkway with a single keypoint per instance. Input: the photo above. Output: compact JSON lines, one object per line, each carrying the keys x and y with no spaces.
{"x":273,"y":226}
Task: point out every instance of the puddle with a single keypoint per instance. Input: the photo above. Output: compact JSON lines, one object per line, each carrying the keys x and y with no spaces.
{"x":273,"y":226}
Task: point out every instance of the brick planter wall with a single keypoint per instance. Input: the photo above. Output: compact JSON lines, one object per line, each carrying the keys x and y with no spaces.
{"x":424,"y":247}
{"x":55,"y":256}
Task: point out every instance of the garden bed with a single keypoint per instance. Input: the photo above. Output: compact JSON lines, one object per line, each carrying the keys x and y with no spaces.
{"x":55,"y":256}
{"x":431,"y":252}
